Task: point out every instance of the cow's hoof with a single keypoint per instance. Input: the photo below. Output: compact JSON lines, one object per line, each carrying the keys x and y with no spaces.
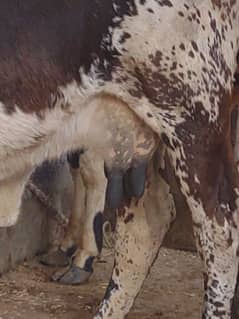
{"x":73,"y":276}
{"x":57,"y":258}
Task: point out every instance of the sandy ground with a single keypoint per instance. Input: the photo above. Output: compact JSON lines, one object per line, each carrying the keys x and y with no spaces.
{"x":173,"y":290}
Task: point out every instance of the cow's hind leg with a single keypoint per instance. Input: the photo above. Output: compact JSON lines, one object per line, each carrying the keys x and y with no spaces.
{"x":91,"y":237}
{"x":84,"y":233}
{"x":140,"y":229}
{"x":209,"y":181}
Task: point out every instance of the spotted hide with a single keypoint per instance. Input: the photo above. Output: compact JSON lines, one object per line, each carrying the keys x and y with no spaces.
{"x":119,"y":77}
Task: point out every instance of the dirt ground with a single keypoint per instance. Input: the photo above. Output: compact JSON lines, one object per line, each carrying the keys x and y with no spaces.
{"x":173,"y":290}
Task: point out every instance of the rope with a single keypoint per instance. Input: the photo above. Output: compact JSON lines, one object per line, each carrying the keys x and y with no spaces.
{"x":47,"y":202}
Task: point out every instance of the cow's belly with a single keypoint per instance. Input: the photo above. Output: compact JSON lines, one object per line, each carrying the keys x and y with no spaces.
{"x":101,"y":122}
{"x":11,"y":191}
{"x":26,"y":140}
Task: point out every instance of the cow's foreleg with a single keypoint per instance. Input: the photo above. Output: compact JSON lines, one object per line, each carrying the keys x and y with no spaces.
{"x":140,"y":229}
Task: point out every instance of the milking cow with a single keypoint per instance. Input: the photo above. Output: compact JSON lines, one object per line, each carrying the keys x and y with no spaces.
{"x":125,"y":78}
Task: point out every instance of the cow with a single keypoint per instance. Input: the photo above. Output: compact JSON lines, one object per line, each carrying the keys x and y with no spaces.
{"x":128,"y":78}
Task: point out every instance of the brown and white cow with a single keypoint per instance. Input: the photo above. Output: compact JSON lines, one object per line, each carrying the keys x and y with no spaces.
{"x":120,"y":77}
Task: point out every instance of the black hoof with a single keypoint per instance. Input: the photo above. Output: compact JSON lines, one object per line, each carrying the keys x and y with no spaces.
{"x":73,"y":276}
{"x":56,"y":258}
